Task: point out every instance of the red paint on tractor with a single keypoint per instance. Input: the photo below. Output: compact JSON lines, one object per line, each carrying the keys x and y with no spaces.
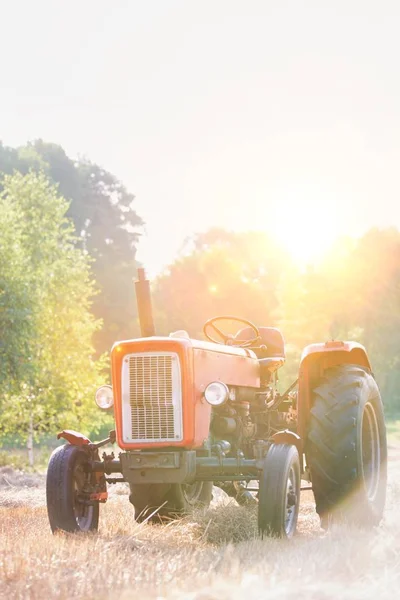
{"x":351,"y":352}
{"x":74,"y":437}
{"x":200,"y":363}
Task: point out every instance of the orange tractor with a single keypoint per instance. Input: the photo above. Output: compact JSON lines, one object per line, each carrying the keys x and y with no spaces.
{"x":191,"y":414}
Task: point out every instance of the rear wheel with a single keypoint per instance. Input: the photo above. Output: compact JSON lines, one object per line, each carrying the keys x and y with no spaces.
{"x":279,"y":492}
{"x":169,"y":500}
{"x":67,"y":480}
{"x":346,"y":447}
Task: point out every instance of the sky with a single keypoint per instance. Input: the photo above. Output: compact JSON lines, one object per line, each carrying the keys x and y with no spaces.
{"x":281,"y":115}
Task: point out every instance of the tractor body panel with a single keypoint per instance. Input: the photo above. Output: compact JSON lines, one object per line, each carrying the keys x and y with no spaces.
{"x":75,"y":438}
{"x":327,"y":354}
{"x":159,"y":385}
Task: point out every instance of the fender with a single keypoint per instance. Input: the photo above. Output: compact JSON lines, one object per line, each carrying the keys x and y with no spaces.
{"x":288,"y":437}
{"x":336,"y":352}
{"x":315,"y":359}
{"x":74,"y":437}
{"x":78,"y":439}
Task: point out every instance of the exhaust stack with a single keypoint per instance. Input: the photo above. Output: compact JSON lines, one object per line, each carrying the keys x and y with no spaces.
{"x":143,"y":299}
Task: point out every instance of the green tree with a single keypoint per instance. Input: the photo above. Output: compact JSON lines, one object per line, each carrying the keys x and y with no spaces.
{"x":372,"y":281}
{"x":106,"y":223}
{"x":48,"y":373}
{"x":16,"y":306}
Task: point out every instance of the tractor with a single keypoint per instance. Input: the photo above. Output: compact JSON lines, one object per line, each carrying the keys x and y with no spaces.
{"x":190,"y":414}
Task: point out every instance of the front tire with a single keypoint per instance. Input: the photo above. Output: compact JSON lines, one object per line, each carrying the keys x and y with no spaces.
{"x":168,"y":501}
{"x":279,"y":492}
{"x":67,"y":476}
{"x":346,"y":448}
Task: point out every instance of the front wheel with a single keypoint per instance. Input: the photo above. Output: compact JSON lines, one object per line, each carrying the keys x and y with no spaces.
{"x":346,"y":448}
{"x":279,"y":492}
{"x":159,"y":500}
{"x":67,"y":480}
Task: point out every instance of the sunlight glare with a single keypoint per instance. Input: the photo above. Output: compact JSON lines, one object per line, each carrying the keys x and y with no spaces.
{"x":305,"y":222}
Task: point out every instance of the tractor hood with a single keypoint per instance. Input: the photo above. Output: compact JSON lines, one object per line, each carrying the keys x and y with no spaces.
{"x":140,"y":369}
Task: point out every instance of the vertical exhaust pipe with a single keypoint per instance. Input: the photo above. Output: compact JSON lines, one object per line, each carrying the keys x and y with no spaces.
{"x":143,"y":299}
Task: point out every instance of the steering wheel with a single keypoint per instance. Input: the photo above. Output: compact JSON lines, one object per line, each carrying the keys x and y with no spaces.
{"x":229,"y":339}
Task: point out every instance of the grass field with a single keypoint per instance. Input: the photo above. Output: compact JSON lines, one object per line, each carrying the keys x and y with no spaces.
{"x":211,"y":555}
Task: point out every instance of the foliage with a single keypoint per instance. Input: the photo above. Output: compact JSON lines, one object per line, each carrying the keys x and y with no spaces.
{"x":46,"y":327}
{"x":219,"y":272}
{"x":107,"y":225}
{"x":353,"y":293}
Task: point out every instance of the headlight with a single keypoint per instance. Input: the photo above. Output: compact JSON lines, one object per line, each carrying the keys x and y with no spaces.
{"x":216,"y":393}
{"x":104,"y":397}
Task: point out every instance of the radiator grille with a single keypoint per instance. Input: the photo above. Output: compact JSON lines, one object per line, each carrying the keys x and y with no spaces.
{"x":152,"y":398}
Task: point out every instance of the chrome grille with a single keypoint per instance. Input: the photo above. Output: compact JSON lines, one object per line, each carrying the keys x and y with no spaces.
{"x":151,"y":394}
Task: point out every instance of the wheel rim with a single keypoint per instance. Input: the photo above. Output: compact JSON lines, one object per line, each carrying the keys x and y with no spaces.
{"x":371,"y":451}
{"x":192,"y":491}
{"x":291,"y":501}
{"x":83,"y":512}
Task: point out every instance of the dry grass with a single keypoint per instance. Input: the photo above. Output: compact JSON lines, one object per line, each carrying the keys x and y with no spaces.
{"x":211,"y":555}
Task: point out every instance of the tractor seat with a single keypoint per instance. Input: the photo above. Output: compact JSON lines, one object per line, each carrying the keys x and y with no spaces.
{"x":272,"y":355}
{"x":271,"y":337}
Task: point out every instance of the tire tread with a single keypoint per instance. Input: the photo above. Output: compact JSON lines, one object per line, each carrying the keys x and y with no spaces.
{"x":331,"y":447}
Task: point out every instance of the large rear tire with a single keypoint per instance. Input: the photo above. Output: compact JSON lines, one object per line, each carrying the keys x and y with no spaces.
{"x":67,"y":477}
{"x":346,"y":448}
{"x":168,"y":501}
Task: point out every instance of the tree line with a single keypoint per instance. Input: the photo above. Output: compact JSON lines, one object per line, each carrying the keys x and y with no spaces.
{"x":68,"y":238}
{"x":47,"y":365}
{"x":353,"y":293}
{"x":106,"y":225}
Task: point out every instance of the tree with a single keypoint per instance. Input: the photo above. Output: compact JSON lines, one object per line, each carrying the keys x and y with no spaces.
{"x":16,"y":306}
{"x":220,"y":273}
{"x":48,"y":372}
{"x":373,"y":293}
{"x":106,"y":223}
{"x":353,"y":294}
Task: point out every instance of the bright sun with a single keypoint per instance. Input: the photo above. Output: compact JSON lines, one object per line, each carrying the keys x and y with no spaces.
{"x":305,"y":224}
